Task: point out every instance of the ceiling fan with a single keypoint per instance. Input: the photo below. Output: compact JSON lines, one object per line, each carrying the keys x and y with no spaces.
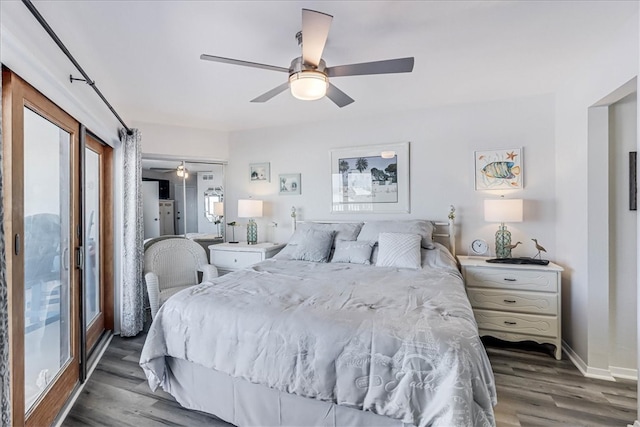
{"x":309,"y":74}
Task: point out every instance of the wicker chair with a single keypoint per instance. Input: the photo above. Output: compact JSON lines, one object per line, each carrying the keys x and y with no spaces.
{"x":172,"y":265}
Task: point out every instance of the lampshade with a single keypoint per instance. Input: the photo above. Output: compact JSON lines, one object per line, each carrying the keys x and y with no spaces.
{"x":218,"y":208}
{"x":503,"y":210}
{"x":308,"y":85}
{"x":249,"y":208}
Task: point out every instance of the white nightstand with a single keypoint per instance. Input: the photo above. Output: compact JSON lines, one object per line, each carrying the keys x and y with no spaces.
{"x":515,"y":302}
{"x":228,"y":257}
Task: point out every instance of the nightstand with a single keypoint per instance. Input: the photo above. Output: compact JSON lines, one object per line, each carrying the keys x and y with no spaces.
{"x":515,"y":302}
{"x":228,"y":257}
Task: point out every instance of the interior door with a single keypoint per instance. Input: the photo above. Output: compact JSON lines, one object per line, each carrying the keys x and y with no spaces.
{"x":151,"y":209}
{"x":43,"y":216}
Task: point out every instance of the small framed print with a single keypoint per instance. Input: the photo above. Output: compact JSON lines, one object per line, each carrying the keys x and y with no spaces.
{"x":499,"y":169}
{"x":290,"y":184}
{"x":260,"y":172}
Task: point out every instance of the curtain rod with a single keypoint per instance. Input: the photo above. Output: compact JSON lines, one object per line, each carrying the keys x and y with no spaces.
{"x":64,"y":49}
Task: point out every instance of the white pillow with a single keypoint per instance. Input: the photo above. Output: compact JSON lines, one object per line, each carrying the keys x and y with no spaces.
{"x":399,"y":250}
{"x":308,"y":245}
{"x":371,"y":230}
{"x":352,"y":252}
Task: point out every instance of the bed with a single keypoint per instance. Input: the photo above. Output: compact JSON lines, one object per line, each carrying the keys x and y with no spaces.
{"x":297,"y":341}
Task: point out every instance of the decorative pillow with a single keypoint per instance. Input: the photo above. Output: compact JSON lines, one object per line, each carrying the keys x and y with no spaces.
{"x":343,"y":230}
{"x":371,"y":230}
{"x":352,"y":252}
{"x":399,"y":250}
{"x":308,"y":245}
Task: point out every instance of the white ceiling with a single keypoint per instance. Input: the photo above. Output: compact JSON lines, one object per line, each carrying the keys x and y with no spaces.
{"x":144,"y":55}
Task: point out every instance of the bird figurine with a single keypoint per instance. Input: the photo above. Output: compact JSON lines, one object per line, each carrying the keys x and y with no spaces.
{"x":540,"y":249}
{"x":513,"y":246}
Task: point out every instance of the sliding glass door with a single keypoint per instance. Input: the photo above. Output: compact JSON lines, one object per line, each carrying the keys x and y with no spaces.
{"x":42,"y":188}
{"x":47,"y":254}
{"x":52,"y":243}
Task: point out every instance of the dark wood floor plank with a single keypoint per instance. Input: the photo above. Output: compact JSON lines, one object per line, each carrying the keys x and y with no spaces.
{"x":533,"y":388}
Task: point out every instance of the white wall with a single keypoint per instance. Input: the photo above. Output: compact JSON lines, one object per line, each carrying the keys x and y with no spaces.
{"x":182,"y":142}
{"x":585,"y":323}
{"x":443,"y":141}
{"x":623,"y":241}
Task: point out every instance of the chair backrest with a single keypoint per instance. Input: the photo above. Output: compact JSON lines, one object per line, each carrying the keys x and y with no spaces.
{"x":175,"y":261}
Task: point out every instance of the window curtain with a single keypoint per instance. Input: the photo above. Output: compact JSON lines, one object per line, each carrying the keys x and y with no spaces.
{"x":5,"y":373}
{"x":132,"y":309}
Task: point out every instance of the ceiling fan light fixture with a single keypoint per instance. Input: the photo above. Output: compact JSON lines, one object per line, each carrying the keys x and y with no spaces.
{"x":182,"y":172}
{"x":308,"y":85}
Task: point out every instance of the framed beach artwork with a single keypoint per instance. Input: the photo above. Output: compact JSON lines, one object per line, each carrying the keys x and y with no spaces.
{"x":260,"y":172}
{"x":290,"y":184}
{"x":498,"y":169}
{"x":371,"y":178}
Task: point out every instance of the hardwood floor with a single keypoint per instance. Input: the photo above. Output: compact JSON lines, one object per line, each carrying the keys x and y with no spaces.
{"x":534,"y":389}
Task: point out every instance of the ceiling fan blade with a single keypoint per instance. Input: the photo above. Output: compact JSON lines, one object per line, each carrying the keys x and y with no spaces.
{"x":273,"y":92}
{"x":389,"y":66}
{"x":338,"y":97}
{"x":315,"y":29}
{"x":243,"y":63}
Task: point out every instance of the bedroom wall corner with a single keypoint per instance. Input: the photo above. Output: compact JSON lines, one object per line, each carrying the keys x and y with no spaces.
{"x":578,"y":165}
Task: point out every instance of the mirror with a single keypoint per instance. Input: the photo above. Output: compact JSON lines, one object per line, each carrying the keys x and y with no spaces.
{"x":183,"y":198}
{"x":213,"y":204}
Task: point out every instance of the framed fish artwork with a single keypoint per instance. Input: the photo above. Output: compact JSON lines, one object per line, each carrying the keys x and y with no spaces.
{"x":499,"y":169}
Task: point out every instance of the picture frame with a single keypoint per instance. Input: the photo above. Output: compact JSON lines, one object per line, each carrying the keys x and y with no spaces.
{"x":290,"y":184}
{"x":260,"y":172}
{"x":633,"y":180}
{"x":372,"y":179}
{"x":499,"y":169}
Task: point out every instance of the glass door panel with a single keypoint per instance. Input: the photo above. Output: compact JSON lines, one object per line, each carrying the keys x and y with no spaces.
{"x":92,"y":300}
{"x":47,"y":254}
{"x":96,"y":222}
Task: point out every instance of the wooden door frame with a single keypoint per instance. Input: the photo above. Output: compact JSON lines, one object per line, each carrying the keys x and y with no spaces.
{"x":18,"y":94}
{"x":106,"y":238}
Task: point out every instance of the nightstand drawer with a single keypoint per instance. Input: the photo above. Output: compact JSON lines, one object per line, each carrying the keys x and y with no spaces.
{"x":529,"y":324}
{"x":234,"y":260}
{"x":505,"y":300}
{"x":504,"y":278}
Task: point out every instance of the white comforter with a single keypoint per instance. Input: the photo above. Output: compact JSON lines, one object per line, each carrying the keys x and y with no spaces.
{"x":397,"y":342}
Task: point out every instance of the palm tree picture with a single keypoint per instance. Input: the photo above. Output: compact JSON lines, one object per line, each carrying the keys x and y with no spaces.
{"x":369,"y":179}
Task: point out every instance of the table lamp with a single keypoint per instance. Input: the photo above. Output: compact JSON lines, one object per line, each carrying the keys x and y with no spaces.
{"x":249,"y":208}
{"x":503,"y":210}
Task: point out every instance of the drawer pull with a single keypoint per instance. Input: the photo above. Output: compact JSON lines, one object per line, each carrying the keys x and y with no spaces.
{"x":509,"y":280}
{"x":235,"y":260}
{"x":506,"y":322}
{"x":510,"y":301}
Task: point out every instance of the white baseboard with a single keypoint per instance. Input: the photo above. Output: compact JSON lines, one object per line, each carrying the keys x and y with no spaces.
{"x":587,"y":371}
{"x":624,"y":373}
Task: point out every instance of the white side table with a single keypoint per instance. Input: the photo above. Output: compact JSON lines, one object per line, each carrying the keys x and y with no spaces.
{"x":228,"y":257}
{"x":515,"y":302}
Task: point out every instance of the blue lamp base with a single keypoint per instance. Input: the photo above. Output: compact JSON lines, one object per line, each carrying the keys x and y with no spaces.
{"x":252,"y":232}
{"x":503,"y":240}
